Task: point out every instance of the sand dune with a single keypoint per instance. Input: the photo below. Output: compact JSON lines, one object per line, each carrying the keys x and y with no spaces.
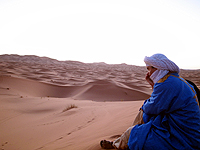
{"x":103,"y":90}
{"x":99,"y":90}
{"x":36,"y":95}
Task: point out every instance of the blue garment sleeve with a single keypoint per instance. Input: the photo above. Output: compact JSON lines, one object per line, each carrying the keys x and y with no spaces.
{"x":161,"y":97}
{"x":146,"y":117}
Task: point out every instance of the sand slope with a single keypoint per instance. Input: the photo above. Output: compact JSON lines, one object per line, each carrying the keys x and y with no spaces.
{"x":42,"y":123}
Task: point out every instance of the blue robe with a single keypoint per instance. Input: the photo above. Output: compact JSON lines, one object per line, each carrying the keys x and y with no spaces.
{"x":171,"y":116}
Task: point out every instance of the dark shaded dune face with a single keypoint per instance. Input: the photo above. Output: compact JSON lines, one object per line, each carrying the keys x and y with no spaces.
{"x":103,"y":90}
{"x":100,"y":82}
{"x":112,"y":93}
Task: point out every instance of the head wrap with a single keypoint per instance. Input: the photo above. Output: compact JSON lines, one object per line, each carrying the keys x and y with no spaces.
{"x":161,"y":62}
{"x":163,"y":65}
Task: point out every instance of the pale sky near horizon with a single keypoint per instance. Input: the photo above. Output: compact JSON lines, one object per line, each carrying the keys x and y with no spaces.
{"x":110,"y":31}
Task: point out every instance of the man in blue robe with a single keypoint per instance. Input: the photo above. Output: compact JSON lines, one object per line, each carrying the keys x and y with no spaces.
{"x":171,"y":116}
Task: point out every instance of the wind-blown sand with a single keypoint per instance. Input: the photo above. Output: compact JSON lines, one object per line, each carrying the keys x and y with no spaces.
{"x":36,"y":92}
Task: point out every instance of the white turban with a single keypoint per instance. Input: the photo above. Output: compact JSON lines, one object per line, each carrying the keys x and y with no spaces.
{"x":163,"y":65}
{"x":161,"y":62}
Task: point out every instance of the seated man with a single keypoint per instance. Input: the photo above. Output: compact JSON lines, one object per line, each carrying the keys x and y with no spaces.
{"x":170,"y":118}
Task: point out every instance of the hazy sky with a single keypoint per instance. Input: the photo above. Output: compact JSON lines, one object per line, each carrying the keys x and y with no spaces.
{"x":111,"y":31}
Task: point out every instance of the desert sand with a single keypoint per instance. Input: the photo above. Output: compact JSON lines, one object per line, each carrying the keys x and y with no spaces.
{"x":47,"y":104}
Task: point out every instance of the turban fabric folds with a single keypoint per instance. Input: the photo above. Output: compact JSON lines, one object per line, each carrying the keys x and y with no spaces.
{"x":161,"y":62}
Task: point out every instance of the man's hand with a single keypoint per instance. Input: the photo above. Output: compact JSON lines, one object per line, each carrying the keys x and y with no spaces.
{"x":148,"y":79}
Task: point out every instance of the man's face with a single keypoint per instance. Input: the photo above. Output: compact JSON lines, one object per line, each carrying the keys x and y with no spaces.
{"x":151,"y":70}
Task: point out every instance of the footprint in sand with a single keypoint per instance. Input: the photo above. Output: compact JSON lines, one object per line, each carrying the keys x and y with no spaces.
{"x":3,"y":145}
